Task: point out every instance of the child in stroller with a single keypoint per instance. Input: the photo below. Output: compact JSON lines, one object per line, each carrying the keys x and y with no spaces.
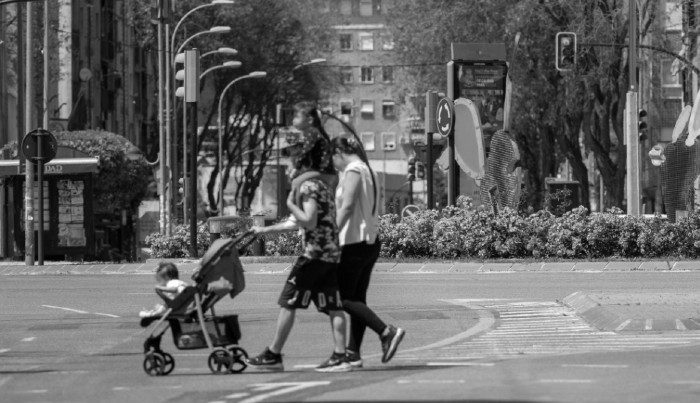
{"x":190,"y":314}
{"x":169,"y":286}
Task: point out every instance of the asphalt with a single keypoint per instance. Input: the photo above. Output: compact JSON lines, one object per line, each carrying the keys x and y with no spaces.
{"x":618,"y":312}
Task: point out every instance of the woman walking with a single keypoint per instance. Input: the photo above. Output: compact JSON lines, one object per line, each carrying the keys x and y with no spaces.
{"x":356,"y":201}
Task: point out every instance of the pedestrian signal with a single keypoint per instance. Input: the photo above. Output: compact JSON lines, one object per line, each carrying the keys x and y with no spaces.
{"x":565,"y":51}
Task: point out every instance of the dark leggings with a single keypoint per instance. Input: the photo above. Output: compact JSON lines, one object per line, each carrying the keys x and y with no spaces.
{"x":354,"y":272}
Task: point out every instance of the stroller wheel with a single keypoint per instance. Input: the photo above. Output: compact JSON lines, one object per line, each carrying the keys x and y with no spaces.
{"x":154,"y":364}
{"x":220,"y":361}
{"x":239,"y":356}
{"x":168,"y":363}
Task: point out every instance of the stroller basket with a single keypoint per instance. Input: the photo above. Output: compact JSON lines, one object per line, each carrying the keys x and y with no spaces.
{"x":222,"y":330}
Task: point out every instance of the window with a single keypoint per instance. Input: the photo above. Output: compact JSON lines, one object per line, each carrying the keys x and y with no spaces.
{"x":367,"y":140}
{"x":670,"y":76}
{"x":367,"y":108}
{"x":367,"y":77}
{"x":346,"y":76}
{"x":346,"y":7}
{"x":389,"y":109}
{"x":366,"y":40}
{"x":389,"y":141}
{"x":388,"y":74}
{"x":387,"y":41}
{"x":674,"y":15}
{"x":345,"y":41}
{"x":346,"y":107}
{"x":366,"y":8}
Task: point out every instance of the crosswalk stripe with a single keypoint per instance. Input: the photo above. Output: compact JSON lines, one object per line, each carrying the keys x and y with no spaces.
{"x":542,"y":327}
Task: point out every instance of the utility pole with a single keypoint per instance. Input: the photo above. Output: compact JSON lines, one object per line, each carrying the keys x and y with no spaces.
{"x":631,"y":121}
{"x":28,"y":123}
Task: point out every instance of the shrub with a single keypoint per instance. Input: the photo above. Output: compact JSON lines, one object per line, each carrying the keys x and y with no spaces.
{"x":178,"y":244}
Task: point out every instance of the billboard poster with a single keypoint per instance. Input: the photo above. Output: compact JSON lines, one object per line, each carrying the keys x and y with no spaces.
{"x":485,"y":85}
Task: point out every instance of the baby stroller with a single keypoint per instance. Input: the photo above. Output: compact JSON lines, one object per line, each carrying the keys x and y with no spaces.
{"x":192,"y":318}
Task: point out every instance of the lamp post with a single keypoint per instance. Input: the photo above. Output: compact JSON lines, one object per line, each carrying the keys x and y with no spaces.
{"x":255,"y":74}
{"x":179,"y":93}
{"x":170,"y":144}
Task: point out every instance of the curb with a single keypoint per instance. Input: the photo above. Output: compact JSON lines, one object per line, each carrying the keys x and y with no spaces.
{"x":189,"y":265}
{"x":629,"y":312}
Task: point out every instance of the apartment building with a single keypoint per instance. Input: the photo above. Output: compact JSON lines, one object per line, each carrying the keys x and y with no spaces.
{"x":98,"y":73}
{"x":365,"y":98}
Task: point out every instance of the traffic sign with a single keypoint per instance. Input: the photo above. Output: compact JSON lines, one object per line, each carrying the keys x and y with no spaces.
{"x":409,"y":210}
{"x":30,"y":146}
{"x":445,"y":116}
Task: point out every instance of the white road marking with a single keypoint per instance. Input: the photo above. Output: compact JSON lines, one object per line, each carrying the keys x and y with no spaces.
{"x":282,"y":388}
{"x":28,"y":338}
{"x":4,"y":380}
{"x":304,"y":366}
{"x":509,"y":329}
{"x":34,"y":391}
{"x":595,"y":365}
{"x":438,"y":381}
{"x":64,"y":308}
{"x":4,"y":350}
{"x":237,"y":395}
{"x":460,"y":364}
{"x":684,"y":382}
{"x":565,"y":381}
{"x":106,"y":314}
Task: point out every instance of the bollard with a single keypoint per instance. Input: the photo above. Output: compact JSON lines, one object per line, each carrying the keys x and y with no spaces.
{"x":258,"y":245}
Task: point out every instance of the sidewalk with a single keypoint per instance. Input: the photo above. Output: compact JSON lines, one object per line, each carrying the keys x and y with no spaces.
{"x":252,"y":266}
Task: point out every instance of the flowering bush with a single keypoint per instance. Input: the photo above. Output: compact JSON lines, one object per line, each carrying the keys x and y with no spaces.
{"x":178,"y":244}
{"x":465,"y":232}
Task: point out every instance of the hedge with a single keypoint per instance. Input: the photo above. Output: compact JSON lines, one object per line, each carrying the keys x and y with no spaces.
{"x":465,"y":232}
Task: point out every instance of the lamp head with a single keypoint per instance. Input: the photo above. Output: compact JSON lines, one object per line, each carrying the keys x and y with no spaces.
{"x":223,"y":2}
{"x":180,"y":92}
{"x":228,"y":51}
{"x":219,"y":30}
{"x":257,"y":74}
{"x":180,"y":58}
{"x":180,"y":75}
{"x":233,"y":63}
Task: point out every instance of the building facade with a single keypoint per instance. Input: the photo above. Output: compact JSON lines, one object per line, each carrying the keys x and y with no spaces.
{"x":365,"y":97}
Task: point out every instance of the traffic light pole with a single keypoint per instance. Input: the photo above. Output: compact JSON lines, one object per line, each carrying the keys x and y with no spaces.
{"x":632,"y":124}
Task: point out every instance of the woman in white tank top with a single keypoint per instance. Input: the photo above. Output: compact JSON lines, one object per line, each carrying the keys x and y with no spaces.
{"x":356,"y":197}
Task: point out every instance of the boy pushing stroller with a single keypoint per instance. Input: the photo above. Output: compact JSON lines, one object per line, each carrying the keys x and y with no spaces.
{"x":314,"y":275}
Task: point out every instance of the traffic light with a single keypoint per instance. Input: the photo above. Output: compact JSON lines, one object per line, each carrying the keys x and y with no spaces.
{"x":643,"y":126}
{"x":565,"y":51}
{"x":411,"y":176}
{"x":420,"y":170}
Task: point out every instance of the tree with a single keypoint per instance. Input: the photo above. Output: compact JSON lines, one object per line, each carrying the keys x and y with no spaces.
{"x":570,"y":114}
{"x":270,"y":36}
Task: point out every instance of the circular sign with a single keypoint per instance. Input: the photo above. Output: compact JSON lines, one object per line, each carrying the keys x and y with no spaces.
{"x":409,"y":210}
{"x":85,"y":74}
{"x":30,"y":145}
{"x":445,"y":116}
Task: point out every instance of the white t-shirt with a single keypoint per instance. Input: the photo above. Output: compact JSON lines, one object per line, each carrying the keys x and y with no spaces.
{"x":176,"y":283}
{"x":362,"y":224}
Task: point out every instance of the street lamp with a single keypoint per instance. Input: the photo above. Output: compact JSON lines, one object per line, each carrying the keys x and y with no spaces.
{"x":310,"y":62}
{"x":180,"y":75}
{"x":220,"y":51}
{"x":255,"y":74}
{"x":212,"y":30}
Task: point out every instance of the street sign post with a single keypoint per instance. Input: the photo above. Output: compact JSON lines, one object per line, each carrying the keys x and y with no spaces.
{"x":445,"y":117}
{"x":39,"y":146}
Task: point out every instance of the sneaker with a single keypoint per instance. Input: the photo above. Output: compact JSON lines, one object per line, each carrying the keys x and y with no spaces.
{"x":337,"y":363}
{"x":390,"y":342}
{"x":354,"y":359}
{"x":267,"y":360}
